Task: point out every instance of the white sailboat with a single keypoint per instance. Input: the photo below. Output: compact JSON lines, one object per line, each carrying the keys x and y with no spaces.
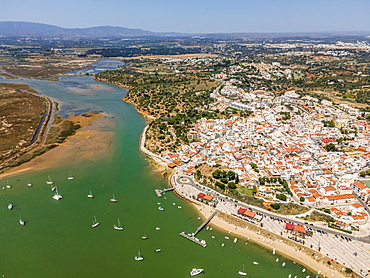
{"x":242,"y":272}
{"x":90,"y":195}
{"x":139,"y":258}
{"x":95,"y":223}
{"x":21,"y":221}
{"x":29,"y":183}
{"x":118,"y":227}
{"x":70,"y":176}
{"x":10,"y":206}
{"x":8,"y":185}
{"x":113,"y":199}
{"x":56,"y":195}
{"x":49,"y":181}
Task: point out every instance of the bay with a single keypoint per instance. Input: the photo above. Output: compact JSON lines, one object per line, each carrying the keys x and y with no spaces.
{"x":58,"y":241}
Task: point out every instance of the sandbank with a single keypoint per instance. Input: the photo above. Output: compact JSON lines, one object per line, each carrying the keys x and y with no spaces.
{"x":91,"y":142}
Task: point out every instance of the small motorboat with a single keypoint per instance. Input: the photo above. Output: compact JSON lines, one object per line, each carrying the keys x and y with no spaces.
{"x":144,"y":237}
{"x":160,"y":208}
{"x":255,"y":263}
{"x":10,"y":206}
{"x":158,"y":250}
{"x":196,"y":271}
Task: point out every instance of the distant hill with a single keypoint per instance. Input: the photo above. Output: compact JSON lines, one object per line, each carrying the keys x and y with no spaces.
{"x":30,"y":29}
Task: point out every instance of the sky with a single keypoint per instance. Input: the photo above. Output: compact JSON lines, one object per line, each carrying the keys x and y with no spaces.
{"x":196,"y":16}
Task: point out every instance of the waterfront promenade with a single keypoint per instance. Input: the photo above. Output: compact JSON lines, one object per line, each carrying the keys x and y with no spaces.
{"x":353,"y":254}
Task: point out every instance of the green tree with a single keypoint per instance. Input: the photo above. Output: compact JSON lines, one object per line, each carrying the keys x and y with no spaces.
{"x":224,"y":180}
{"x":281,"y":197}
{"x":231,"y":185}
{"x":302,"y":199}
{"x":237,"y":179}
{"x":230,"y":175}
{"x":330,"y":147}
{"x":275,"y":206}
{"x":220,"y":185}
{"x":216,"y":174}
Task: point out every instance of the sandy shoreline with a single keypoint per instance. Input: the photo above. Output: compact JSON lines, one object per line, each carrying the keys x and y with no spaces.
{"x":271,"y":241}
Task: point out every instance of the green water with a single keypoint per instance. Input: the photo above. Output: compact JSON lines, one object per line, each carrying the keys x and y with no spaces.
{"x":58,"y":241}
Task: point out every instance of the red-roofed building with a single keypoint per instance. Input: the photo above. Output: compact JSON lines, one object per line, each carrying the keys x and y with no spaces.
{"x":341,"y":198}
{"x":359,"y":186}
{"x":241,"y":210}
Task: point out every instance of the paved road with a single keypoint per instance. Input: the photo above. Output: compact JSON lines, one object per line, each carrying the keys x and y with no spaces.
{"x":354,"y":253}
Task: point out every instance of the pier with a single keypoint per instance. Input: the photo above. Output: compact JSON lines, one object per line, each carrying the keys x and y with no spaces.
{"x":159,"y":192}
{"x":192,"y":236}
{"x":205,"y":223}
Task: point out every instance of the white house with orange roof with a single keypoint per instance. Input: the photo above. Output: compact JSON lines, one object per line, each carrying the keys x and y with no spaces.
{"x":359,"y":186}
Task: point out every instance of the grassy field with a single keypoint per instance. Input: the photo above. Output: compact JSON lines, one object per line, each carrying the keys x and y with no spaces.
{"x":20,"y":115}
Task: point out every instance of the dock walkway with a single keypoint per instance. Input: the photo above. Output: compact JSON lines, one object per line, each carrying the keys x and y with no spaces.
{"x":159,"y":192}
{"x":192,"y":236}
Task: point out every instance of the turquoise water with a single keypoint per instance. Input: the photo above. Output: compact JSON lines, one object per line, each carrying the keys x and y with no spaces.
{"x":58,"y":241}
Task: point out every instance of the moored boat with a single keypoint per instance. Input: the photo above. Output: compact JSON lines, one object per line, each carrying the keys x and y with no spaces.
{"x":21,"y":221}
{"x":196,"y":271}
{"x":95,"y":223}
{"x":118,"y":227}
{"x":70,"y":176}
{"x":49,"y":181}
{"x":139,"y":257}
{"x":113,"y":199}
{"x":10,"y":206}
{"x":158,"y":250}
{"x":160,"y":208}
{"x":56,"y":195}
{"x":90,"y":195}
{"x":243,"y":273}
